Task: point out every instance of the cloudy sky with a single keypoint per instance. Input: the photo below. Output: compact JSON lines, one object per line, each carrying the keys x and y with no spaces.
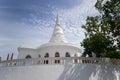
{"x":31,"y":22}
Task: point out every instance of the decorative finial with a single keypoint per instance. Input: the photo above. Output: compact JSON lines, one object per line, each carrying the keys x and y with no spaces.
{"x":57,"y":20}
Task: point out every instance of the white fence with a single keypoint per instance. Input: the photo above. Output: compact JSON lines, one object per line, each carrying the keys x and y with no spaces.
{"x":58,"y":60}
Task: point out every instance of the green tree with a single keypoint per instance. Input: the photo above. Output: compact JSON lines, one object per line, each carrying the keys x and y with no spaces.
{"x":103,"y":31}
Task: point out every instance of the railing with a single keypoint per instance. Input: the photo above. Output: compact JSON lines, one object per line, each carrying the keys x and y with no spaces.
{"x":58,"y":60}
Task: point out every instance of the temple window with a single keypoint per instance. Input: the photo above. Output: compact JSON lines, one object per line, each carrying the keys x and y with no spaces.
{"x":57,"y":55}
{"x":67,"y":54}
{"x":46,"y":61}
{"x":46,"y":55}
{"x":28,"y":56}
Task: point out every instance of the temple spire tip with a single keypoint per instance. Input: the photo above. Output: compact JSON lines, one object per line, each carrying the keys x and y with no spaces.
{"x":57,"y":19}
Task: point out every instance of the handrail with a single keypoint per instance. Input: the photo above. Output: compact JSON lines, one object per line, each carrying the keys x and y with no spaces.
{"x":58,"y":60}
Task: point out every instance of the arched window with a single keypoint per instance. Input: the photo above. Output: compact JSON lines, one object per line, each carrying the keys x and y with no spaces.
{"x":46,"y":55}
{"x":28,"y":57}
{"x":57,"y":55}
{"x":46,"y":61}
{"x":67,"y":54}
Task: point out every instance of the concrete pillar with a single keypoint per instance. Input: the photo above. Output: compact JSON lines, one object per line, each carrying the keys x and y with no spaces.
{"x":11,"y":57}
{"x":0,"y":58}
{"x":8,"y":57}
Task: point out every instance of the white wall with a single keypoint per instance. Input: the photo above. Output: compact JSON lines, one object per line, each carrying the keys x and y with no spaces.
{"x":61,"y":49}
{"x":23,"y":52}
{"x":61,"y":72}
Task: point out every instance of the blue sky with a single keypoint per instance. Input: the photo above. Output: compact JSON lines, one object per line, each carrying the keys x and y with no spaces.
{"x":31,"y":22}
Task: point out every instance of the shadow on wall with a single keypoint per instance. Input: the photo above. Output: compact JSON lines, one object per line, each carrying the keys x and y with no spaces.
{"x":90,"y":72}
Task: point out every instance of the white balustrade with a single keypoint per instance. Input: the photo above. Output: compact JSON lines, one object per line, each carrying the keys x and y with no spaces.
{"x":58,"y":60}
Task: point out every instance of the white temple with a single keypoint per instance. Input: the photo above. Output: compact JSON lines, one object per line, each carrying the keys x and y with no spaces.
{"x":57,"y":60}
{"x":58,"y":46}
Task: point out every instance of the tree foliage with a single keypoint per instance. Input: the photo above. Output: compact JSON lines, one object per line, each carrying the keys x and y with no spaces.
{"x":103,"y":31}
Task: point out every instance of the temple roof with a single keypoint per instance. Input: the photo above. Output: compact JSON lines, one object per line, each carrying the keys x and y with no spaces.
{"x":58,"y":34}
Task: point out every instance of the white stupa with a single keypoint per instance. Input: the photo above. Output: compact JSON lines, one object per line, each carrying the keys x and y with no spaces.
{"x":57,"y":46}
